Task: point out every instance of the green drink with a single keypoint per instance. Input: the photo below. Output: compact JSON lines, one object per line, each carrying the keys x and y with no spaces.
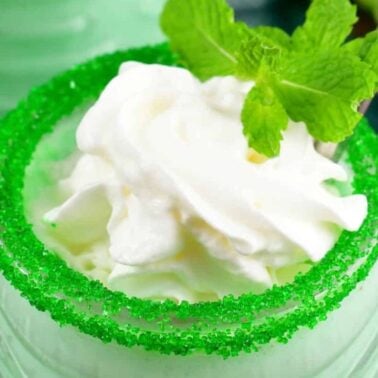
{"x":70,"y":322}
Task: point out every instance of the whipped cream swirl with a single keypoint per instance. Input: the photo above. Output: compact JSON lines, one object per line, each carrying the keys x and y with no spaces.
{"x":187,"y":209}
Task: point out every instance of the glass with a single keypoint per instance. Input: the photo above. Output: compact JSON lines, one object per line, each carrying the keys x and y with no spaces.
{"x":343,"y":345}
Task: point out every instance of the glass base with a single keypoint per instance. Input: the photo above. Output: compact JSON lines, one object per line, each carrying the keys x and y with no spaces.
{"x":345,"y":345}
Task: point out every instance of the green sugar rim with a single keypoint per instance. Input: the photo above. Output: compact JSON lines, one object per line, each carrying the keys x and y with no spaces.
{"x":226,"y":327}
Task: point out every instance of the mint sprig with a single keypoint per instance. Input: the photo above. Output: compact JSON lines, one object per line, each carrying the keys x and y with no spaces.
{"x":312,"y":76}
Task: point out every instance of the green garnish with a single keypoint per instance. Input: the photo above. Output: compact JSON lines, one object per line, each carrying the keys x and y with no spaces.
{"x":367,"y":49}
{"x":312,"y":76}
{"x":205,"y":35}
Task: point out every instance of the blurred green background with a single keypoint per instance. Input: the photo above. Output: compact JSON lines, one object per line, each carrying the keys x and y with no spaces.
{"x":39,"y":38}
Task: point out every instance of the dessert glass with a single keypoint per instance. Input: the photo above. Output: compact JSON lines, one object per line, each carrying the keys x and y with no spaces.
{"x":65,"y":325}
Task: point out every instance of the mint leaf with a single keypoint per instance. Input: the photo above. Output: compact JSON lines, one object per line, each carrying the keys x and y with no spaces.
{"x":323,"y":90}
{"x":204,"y":34}
{"x":256,"y":56}
{"x":328,"y":23}
{"x":264,"y":118}
{"x":275,"y":35}
{"x":367,"y":49}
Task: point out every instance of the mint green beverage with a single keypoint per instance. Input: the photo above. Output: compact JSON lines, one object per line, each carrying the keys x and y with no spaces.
{"x":59,"y":318}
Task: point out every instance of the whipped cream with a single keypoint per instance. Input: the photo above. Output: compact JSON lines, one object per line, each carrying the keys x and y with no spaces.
{"x":167,"y":185}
